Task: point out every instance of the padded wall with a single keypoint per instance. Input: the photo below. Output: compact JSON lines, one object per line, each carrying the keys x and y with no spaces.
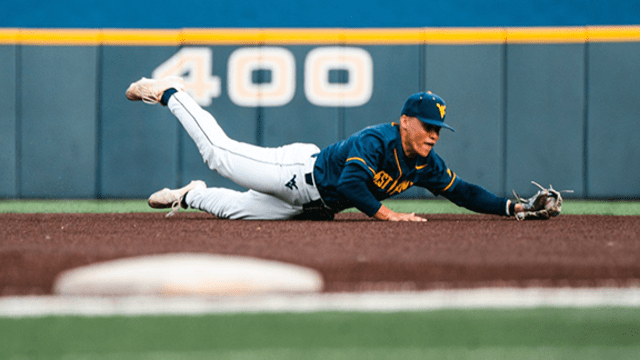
{"x":9,"y":177}
{"x":564,"y":114}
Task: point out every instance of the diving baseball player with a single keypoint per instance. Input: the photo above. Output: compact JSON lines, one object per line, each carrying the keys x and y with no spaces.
{"x":301,"y":181}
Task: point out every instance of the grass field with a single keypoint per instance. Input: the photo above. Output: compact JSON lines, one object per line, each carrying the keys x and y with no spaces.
{"x":538,"y":333}
{"x":431,"y":206}
{"x":602,"y":333}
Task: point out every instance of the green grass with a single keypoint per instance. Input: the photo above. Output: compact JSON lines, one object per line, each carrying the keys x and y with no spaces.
{"x":569,"y":207}
{"x":74,"y":206}
{"x":612,"y":333}
{"x":430,"y":206}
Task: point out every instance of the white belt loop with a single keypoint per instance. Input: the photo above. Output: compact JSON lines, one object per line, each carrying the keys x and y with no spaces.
{"x":314,"y":194}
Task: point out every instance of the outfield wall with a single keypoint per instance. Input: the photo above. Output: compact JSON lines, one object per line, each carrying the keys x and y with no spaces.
{"x":554,"y":105}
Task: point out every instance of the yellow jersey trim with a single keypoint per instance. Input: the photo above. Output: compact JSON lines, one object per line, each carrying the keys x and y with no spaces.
{"x":395,"y":153}
{"x":395,"y":182}
{"x":451,"y":183}
{"x":362,"y":161}
{"x":320,"y":36}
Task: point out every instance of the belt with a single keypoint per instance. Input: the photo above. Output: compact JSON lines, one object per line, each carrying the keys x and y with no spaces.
{"x":315,"y":210}
{"x":308,"y":178}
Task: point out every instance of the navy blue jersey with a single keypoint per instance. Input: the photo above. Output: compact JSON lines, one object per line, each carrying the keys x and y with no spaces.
{"x":371,"y":166}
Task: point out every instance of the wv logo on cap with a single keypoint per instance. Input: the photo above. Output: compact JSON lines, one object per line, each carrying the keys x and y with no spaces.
{"x":442,"y":109}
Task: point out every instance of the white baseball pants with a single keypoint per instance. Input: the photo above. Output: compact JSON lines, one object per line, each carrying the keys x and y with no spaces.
{"x":275,"y":177}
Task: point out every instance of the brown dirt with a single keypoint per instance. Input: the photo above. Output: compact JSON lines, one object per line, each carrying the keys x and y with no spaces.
{"x":353,"y":253}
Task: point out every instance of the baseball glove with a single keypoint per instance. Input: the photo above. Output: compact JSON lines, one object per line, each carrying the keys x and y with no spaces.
{"x":545,"y":204}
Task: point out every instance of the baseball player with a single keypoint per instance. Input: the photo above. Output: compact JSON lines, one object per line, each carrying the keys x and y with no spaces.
{"x":301,"y":181}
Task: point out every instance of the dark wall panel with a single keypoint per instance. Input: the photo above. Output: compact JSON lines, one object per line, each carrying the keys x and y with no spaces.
{"x":396,"y":75}
{"x":613,"y":145}
{"x":545,"y":116}
{"x":470,"y":79}
{"x":58,"y":94}
{"x":8,"y":155}
{"x":139,"y":142}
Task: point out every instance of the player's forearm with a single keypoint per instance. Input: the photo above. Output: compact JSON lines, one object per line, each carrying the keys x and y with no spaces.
{"x":361,"y":198}
{"x":476,"y":198}
{"x":364,"y":201}
{"x":384,"y":213}
{"x":354,"y":189}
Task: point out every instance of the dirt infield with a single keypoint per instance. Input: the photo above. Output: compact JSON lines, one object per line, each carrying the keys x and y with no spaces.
{"x":353,"y":253}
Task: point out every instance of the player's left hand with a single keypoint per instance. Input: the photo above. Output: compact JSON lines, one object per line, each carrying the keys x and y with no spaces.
{"x":545,"y":204}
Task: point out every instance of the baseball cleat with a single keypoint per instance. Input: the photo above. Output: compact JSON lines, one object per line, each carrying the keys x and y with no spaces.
{"x":168,"y":198}
{"x":150,"y":90}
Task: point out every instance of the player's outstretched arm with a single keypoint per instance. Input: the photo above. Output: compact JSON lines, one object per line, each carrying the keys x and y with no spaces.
{"x":384,"y":213}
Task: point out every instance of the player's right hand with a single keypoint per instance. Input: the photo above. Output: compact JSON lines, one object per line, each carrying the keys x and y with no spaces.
{"x":405,"y":217}
{"x":384,"y":213}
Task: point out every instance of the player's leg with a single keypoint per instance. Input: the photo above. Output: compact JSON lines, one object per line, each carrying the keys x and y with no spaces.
{"x":248,"y":205}
{"x":276,"y":171}
{"x":266,"y":170}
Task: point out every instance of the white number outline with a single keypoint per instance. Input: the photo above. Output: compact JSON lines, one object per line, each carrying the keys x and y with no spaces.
{"x":356,"y":92}
{"x":194,"y":65}
{"x":278,"y":92}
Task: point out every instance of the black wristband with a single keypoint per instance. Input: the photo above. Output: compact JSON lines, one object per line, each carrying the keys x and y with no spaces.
{"x":166,"y":95}
{"x":512,"y":209}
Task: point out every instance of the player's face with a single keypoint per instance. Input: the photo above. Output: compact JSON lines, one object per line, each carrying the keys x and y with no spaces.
{"x":418,"y":138}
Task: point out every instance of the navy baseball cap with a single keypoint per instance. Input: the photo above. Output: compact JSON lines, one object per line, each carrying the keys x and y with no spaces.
{"x":428,"y":107}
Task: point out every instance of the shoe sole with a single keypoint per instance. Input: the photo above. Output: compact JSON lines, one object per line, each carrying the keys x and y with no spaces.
{"x":193,"y":185}
{"x":134,"y":93}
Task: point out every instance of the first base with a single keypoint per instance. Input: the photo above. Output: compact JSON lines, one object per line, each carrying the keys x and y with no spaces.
{"x":186,"y":274}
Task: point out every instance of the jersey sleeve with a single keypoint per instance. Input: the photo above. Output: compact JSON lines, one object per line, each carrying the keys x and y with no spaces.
{"x":359,"y":169}
{"x":476,"y":198}
{"x":441,"y":180}
{"x":366,"y":153}
{"x":353,"y":187}
{"x":436,"y":176}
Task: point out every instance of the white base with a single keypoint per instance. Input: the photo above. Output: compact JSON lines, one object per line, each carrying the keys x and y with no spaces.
{"x":186,"y":274}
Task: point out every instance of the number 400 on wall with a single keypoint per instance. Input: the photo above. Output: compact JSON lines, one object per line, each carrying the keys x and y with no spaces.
{"x":194,"y":64}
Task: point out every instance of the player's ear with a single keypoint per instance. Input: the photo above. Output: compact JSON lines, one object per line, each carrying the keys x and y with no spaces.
{"x":403,"y":121}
